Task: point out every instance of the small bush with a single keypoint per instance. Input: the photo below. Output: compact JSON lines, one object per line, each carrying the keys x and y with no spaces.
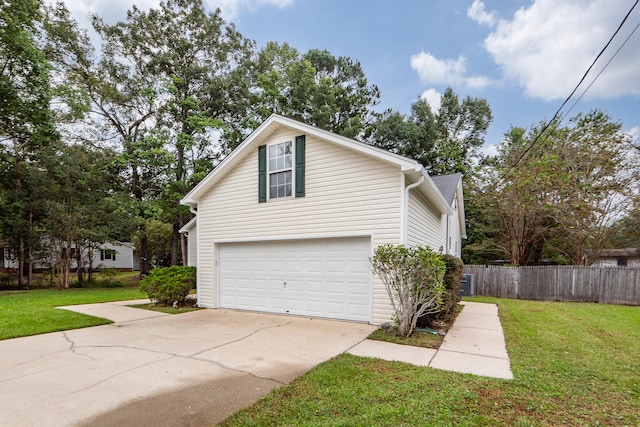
{"x":413,"y":279}
{"x":451,"y":296}
{"x":169,"y":284}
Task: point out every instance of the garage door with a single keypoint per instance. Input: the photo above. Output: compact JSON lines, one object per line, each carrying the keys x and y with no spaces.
{"x":316,"y":277}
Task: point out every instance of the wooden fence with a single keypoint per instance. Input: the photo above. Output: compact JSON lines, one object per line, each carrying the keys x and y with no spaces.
{"x":558,"y":283}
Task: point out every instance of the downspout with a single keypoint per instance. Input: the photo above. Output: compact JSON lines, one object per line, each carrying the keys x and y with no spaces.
{"x":405,"y":223}
{"x":447,"y":240}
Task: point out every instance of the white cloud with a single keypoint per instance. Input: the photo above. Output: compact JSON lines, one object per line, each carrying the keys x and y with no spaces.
{"x":433,"y":98}
{"x":489,"y":150}
{"x":478,"y":13}
{"x":115,"y":10}
{"x":432,"y":70}
{"x":547,"y":47}
{"x":231,"y":8}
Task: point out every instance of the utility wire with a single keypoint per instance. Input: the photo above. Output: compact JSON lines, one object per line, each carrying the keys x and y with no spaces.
{"x":603,"y":68}
{"x":557,"y":113}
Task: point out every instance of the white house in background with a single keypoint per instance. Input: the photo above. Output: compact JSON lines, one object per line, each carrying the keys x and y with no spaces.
{"x":625,"y":257}
{"x":288,"y":222}
{"x":191,"y":231}
{"x":118,"y":255}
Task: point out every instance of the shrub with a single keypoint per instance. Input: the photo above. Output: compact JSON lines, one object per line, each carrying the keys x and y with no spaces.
{"x":451,"y":295}
{"x":413,"y":279}
{"x":169,"y":284}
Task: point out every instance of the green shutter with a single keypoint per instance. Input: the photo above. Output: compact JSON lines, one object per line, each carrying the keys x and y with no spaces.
{"x":262,"y":173}
{"x":300,"y":142}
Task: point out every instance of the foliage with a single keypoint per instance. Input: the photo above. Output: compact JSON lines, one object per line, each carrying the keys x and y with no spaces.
{"x":26,"y":125}
{"x":574,"y":364}
{"x":413,"y":279}
{"x":24,"y":313}
{"x":444,"y":141}
{"x":316,"y":88}
{"x":168,"y":284}
{"x":560,"y":199}
{"x":454,"y":269}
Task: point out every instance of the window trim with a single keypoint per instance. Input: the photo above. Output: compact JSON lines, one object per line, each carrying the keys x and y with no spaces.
{"x":290,"y":169}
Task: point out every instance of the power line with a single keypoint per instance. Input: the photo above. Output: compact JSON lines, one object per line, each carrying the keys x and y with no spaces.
{"x":603,"y":68}
{"x":557,"y":113}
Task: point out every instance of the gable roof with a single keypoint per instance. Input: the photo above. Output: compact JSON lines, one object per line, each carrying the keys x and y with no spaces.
{"x":448,"y":185}
{"x":410,"y":167}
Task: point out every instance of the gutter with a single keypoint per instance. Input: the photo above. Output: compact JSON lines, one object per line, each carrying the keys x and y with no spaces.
{"x":405,"y":217}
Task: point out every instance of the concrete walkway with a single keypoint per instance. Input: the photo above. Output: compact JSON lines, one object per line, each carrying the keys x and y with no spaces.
{"x":192,"y":369}
{"x":474,"y":345}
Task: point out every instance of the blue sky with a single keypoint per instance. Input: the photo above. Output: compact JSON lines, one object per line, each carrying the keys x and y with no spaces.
{"x":524,"y":57}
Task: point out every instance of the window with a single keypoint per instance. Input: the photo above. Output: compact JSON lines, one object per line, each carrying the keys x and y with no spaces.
{"x":107,"y":254}
{"x":276,"y":168}
{"x":622,"y":262}
{"x":280,"y":170}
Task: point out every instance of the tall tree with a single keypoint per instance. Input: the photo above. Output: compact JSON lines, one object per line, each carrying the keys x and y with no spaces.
{"x":123,"y":100}
{"x":560,"y":198}
{"x":26,"y":121}
{"x":444,"y":141}
{"x":202,"y":64}
{"x":317,"y":88}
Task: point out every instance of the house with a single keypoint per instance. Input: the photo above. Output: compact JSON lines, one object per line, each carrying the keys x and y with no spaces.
{"x":117,"y":255}
{"x":627,"y":257}
{"x":288,"y":222}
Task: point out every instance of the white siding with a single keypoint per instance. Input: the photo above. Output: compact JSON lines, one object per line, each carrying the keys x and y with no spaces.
{"x":424,"y":223}
{"x":346,"y":194}
{"x":454,"y":231}
{"x":192,"y":246}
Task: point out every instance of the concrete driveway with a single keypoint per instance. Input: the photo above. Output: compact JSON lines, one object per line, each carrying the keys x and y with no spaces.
{"x":190,"y":369}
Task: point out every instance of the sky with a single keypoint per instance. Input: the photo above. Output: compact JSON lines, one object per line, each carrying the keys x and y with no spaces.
{"x":524,"y":57}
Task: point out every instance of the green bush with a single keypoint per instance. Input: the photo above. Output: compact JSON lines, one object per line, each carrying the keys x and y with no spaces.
{"x":451,"y":296}
{"x":413,"y":277}
{"x":169,"y":284}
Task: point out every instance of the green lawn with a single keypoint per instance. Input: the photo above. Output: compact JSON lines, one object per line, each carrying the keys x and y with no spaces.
{"x":24,"y":313}
{"x":574,"y":365}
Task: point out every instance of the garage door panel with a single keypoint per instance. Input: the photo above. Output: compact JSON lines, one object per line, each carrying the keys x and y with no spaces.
{"x":324,"y":277}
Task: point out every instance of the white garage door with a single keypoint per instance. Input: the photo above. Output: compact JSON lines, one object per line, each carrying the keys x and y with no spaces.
{"x":315,"y":277}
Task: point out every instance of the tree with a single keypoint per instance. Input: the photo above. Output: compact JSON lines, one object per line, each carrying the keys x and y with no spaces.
{"x":413,"y":277}
{"x":79,"y":205}
{"x":520,"y":197}
{"x":26,"y":122}
{"x":123,"y":100}
{"x":596,"y":182}
{"x":445,"y":141}
{"x":202,"y":64}
{"x":317,"y":88}
{"x":560,"y":198}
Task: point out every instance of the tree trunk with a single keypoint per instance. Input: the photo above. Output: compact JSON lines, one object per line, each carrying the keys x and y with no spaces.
{"x":144,"y":253}
{"x":79,"y":265}
{"x":175,"y":238}
{"x":184,"y":246}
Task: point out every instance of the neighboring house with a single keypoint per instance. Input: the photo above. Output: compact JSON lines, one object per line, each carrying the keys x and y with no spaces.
{"x":118,"y":255}
{"x":454,"y":225}
{"x":191,"y":231}
{"x":288,"y":222}
{"x":628,"y":257}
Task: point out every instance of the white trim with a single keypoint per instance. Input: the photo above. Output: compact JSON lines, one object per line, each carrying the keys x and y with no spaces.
{"x":258,"y":136}
{"x":291,"y":169}
{"x":295,"y":237}
{"x":404,"y":211}
{"x":185,"y":228}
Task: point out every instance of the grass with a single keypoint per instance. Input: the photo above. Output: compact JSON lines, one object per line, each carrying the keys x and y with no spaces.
{"x":24,"y":313}
{"x":574,"y":365}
